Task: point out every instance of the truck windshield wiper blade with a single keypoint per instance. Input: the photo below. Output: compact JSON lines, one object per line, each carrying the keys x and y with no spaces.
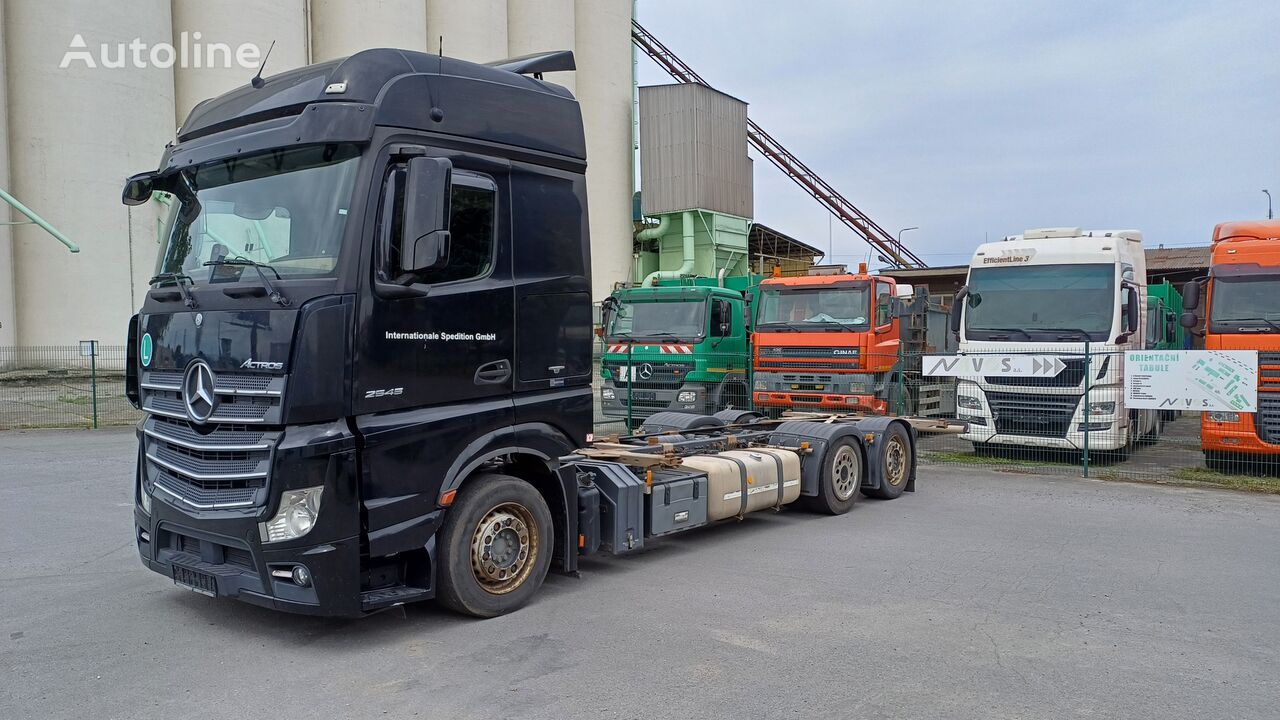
{"x":276,"y":296}
{"x":1025,"y":334}
{"x":1252,"y":319}
{"x":783,"y":323}
{"x":1087,"y":335}
{"x":180,"y":280}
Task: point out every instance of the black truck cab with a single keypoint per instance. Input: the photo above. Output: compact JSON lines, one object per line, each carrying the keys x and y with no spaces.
{"x":374,"y":285}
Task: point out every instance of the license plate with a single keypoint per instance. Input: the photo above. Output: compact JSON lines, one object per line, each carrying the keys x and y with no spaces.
{"x":647,"y":395}
{"x":200,"y":582}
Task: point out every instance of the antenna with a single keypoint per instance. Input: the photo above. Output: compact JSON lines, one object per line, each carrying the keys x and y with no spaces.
{"x":257,"y":81}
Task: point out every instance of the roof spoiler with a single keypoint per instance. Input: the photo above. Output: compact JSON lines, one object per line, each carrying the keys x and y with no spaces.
{"x":537,"y":63}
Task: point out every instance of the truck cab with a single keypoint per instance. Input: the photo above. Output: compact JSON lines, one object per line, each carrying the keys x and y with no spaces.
{"x":681,"y":346}
{"x":1240,"y":313}
{"x":1080,"y":295}
{"x":372,"y":290}
{"x":828,"y":341}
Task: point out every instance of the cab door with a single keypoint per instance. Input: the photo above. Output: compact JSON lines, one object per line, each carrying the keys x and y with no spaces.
{"x":444,"y":335}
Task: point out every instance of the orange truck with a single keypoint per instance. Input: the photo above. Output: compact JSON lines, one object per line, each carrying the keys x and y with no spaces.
{"x":842,"y":342}
{"x":1241,"y":313}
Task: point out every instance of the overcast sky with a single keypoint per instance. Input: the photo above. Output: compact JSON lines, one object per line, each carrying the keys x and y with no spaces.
{"x":988,"y":117}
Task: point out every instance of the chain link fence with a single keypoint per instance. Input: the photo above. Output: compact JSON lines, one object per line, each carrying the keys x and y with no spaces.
{"x":59,"y":386}
{"x":1042,"y":412}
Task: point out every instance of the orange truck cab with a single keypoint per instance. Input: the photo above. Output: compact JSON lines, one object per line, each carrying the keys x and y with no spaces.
{"x":828,"y":342}
{"x":1241,"y":312}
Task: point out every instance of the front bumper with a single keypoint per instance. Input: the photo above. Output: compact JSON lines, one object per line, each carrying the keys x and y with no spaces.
{"x":821,"y":401}
{"x":1237,"y":437}
{"x":1104,"y":432}
{"x":240,"y":566}
{"x":647,"y":401}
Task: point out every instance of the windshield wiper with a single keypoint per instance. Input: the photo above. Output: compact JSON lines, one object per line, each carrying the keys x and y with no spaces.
{"x":1252,"y":319}
{"x":784,"y":323}
{"x":1087,"y":335}
{"x":177,"y":279}
{"x":275,"y":295}
{"x":1025,"y":334}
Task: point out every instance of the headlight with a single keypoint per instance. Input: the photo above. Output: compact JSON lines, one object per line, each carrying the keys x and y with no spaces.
{"x":143,"y":496}
{"x":1224,"y":417}
{"x":687,"y":396}
{"x":1102,"y":408}
{"x":969,"y":402}
{"x":296,"y":516}
{"x":607,"y":393}
{"x":762,"y":385}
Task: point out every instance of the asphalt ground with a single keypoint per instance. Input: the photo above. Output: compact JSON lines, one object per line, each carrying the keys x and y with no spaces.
{"x":984,"y":594}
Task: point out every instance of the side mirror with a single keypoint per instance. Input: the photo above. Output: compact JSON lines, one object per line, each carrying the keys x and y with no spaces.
{"x":1133,"y":309}
{"x":957,"y":306}
{"x":424,"y":242}
{"x":608,"y":307}
{"x":137,"y":189}
{"x":1191,"y":295}
{"x":1189,"y":320}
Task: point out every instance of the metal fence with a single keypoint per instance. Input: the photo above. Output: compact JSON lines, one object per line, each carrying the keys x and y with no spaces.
{"x":1048,"y":412}
{"x":60,"y":386}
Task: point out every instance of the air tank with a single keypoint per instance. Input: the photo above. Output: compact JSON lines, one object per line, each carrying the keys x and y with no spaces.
{"x":602,"y":29}
{"x":343,"y":27}
{"x":75,"y":133}
{"x":8,"y":307}
{"x":541,"y":26}
{"x":212,"y":34}
{"x":474,"y":30}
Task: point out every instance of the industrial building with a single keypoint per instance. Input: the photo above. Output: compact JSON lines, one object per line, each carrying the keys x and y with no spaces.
{"x":90,"y":92}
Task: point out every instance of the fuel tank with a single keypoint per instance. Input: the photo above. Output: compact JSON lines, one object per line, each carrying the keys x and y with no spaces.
{"x":744,"y":481}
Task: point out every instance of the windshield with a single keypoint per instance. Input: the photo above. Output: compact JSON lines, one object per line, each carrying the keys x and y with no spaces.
{"x":1019,"y":301}
{"x":675,"y":319}
{"x":286,"y":208}
{"x":1245,"y":299}
{"x":835,"y":306}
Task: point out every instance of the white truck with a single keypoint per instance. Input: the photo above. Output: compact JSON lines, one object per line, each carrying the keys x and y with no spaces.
{"x":1054,"y":292}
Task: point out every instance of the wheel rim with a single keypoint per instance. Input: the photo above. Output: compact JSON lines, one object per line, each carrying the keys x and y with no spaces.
{"x":504,"y":548}
{"x":845,"y":475}
{"x":895,"y":461}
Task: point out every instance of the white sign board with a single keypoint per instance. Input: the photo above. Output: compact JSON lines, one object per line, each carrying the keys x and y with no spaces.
{"x":984,"y":365}
{"x":1192,"y":380}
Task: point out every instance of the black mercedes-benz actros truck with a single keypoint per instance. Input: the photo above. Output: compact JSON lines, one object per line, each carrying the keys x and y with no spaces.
{"x":365,"y":356}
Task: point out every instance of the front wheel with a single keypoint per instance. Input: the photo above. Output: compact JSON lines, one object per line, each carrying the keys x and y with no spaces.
{"x":496,"y":546}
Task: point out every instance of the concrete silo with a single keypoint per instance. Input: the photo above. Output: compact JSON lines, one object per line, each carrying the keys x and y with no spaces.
{"x":8,"y":301}
{"x":602,"y":29}
{"x":79,"y":123}
{"x":215,"y":31}
{"x":475,"y":30}
{"x":342,"y":27}
{"x":540,"y":26}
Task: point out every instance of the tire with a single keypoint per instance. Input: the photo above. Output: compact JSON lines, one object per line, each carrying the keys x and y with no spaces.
{"x":897,"y":464}
{"x":842,"y":474}
{"x":1218,"y":461}
{"x":733,"y":395}
{"x":515,"y":519}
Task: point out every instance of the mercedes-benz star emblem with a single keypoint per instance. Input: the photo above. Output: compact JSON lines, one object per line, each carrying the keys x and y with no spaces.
{"x":197,"y":392}
{"x":645,"y":371}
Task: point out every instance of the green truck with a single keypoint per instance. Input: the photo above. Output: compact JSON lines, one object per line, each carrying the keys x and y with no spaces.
{"x":1164,"y":307}
{"x":682,"y":345}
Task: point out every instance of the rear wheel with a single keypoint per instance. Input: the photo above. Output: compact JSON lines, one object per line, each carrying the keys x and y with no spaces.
{"x":496,"y":546}
{"x":897,"y":464}
{"x":841,"y":478}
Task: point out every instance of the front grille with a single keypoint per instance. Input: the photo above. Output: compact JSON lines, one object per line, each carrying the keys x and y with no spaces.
{"x":1071,"y":376}
{"x":1033,"y":415}
{"x":661,"y":374}
{"x":208,"y":494}
{"x":242,"y":397}
{"x":1267,"y":418}
{"x":224,"y":466}
{"x":806,"y":398}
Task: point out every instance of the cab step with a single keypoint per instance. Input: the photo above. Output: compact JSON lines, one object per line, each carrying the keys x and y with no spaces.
{"x":383,"y":598}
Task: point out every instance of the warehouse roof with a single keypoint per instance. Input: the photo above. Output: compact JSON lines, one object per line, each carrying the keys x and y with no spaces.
{"x":767,"y":242}
{"x":1181,"y":258}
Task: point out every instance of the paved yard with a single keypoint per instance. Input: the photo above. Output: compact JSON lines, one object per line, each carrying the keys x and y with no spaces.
{"x":983,"y":595}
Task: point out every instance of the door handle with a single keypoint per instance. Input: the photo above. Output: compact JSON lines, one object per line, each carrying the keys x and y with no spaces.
{"x":493,"y":373}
